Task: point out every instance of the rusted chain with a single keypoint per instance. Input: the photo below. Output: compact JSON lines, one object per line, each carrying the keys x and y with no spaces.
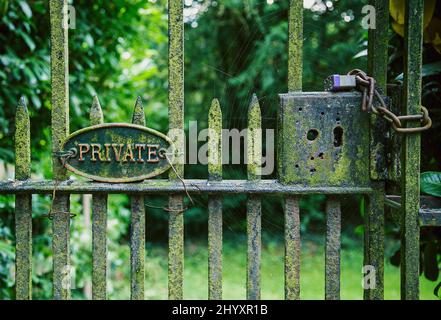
{"x":366,"y":85}
{"x":64,"y":156}
{"x":166,"y":208}
{"x":51,"y":213}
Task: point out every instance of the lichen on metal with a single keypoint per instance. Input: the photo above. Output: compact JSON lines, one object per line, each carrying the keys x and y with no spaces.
{"x":215,"y":203}
{"x":23,"y":205}
{"x":377,"y":68}
{"x":96,"y":112}
{"x":254,"y":141}
{"x":374,"y":240}
{"x":99,"y":225}
{"x":137,"y":229}
{"x":60,"y":129}
{"x":291,"y":203}
{"x":292,"y":248}
{"x":410,"y":186}
{"x":176,"y":126}
{"x":166,"y":186}
{"x":215,"y":141}
{"x":254,"y":210}
{"x":325,"y":140}
{"x":118,"y":152}
{"x":333,"y":247}
{"x":295,"y":45}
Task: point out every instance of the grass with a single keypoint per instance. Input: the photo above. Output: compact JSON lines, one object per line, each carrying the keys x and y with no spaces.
{"x":234,"y":273}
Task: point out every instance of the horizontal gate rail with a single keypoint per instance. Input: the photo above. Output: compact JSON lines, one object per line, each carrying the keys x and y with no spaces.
{"x":167,"y":187}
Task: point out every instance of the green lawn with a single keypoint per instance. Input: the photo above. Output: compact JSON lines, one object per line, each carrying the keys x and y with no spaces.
{"x":234,"y":273}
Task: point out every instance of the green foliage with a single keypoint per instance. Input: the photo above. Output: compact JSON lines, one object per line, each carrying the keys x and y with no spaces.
{"x":118,"y":50}
{"x":431,"y":183}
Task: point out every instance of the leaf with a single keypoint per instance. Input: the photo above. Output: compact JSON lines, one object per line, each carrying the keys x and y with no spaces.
{"x":359,"y":230}
{"x":429,"y":69}
{"x":431,"y":183}
{"x":431,"y":270}
{"x":436,"y":290}
{"x":362,"y":207}
{"x":30,"y":43}
{"x":362,"y":53}
{"x":4,"y":7}
{"x":396,"y":258}
{"x":26,"y":9}
{"x":397,"y":10}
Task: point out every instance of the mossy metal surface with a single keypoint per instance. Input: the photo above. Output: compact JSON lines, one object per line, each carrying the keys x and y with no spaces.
{"x":60,"y":129}
{"x":215,"y":203}
{"x":377,"y":68}
{"x":292,"y":248}
{"x":291,"y":203}
{"x":121,"y":160}
{"x":379,"y":130}
{"x":374,"y":240}
{"x":295,"y":45}
{"x":254,"y":210}
{"x":410,"y":255}
{"x":23,"y":206}
{"x":333,"y":247}
{"x":176,"y":122}
{"x":99,"y":225}
{"x":167,"y":187}
{"x":137,"y":227}
{"x":325,"y":139}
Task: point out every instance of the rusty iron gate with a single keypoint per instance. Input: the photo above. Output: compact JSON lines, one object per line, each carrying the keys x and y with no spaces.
{"x":345,"y":154}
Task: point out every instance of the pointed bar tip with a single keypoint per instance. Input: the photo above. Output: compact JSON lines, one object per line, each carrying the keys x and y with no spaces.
{"x":254,"y":103}
{"x":138,"y":113}
{"x":22,"y":104}
{"x":96,"y":112}
{"x":215,"y":106}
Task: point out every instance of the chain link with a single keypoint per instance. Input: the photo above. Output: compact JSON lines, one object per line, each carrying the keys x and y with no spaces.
{"x":366,"y":85}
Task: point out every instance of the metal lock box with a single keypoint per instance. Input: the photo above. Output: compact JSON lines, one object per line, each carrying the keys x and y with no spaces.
{"x":323,"y":139}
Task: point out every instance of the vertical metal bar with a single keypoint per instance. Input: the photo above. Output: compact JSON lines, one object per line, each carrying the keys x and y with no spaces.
{"x":254,"y":210}
{"x":292,"y":248}
{"x":99,"y":226}
{"x":333,"y":246}
{"x":60,"y":129}
{"x":378,"y":43}
{"x":215,"y":203}
{"x":176,"y":126}
{"x":374,"y":217}
{"x":23,"y":205}
{"x":374,"y":242}
{"x":137,"y":231}
{"x":291,"y":206}
{"x":377,"y":68}
{"x":295,"y":45}
{"x":410,"y":188}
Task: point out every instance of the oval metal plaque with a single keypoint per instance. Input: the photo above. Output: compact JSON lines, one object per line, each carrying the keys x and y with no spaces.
{"x":118,"y":152}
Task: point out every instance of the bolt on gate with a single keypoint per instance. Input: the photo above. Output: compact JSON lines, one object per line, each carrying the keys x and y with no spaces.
{"x":326,"y":146}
